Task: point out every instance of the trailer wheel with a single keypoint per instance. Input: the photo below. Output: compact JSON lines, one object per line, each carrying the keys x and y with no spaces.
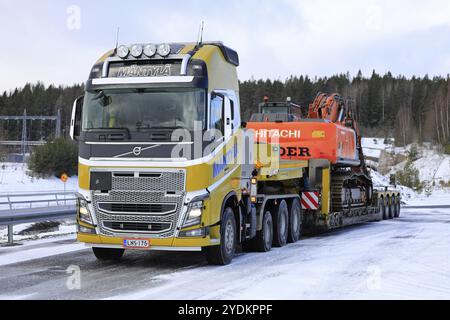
{"x":398,"y":207}
{"x":281,"y":225}
{"x":295,"y":221}
{"x":391,"y":206}
{"x":223,"y":254}
{"x":384,"y":208}
{"x":105,"y":254}
{"x":380,"y":207}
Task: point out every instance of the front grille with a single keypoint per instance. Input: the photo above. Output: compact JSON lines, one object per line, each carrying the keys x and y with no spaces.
{"x":134,"y":226}
{"x":139,"y":200}
{"x":137,"y":208}
{"x":148,"y":181}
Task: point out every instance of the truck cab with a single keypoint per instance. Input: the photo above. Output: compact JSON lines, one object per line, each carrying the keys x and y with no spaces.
{"x":158,"y":131}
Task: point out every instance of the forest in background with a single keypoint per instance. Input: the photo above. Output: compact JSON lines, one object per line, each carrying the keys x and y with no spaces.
{"x":413,"y":109}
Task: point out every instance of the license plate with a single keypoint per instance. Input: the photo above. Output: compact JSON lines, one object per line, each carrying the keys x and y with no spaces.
{"x":136,"y":244}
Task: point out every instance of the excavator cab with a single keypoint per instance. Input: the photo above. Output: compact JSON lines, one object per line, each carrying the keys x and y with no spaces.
{"x":278,"y":112}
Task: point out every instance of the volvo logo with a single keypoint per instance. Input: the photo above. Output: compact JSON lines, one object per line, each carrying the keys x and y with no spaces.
{"x":137,"y":151}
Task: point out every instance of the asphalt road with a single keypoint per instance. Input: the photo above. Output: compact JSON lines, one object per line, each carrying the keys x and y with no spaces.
{"x":404,"y":258}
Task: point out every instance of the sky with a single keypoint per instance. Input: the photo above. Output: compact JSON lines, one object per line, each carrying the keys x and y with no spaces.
{"x":57,"y":41}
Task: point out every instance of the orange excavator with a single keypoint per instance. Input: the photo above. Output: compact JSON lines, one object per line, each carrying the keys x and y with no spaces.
{"x":328,"y":133}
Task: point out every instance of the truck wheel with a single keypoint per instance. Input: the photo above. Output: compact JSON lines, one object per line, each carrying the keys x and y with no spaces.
{"x":264,"y":238}
{"x":223,"y":254}
{"x":295,"y":221}
{"x":398,"y":207}
{"x":105,"y":254}
{"x":391,"y":207}
{"x":394,"y":207}
{"x":380,"y":208}
{"x":281,"y":225}
{"x":384,"y":209}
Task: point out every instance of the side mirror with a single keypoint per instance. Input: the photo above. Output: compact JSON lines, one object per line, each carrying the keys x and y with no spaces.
{"x":75,"y":123}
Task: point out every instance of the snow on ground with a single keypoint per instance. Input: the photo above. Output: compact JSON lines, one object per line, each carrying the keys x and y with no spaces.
{"x":438,"y":198}
{"x":432,"y":166}
{"x":67,"y":227}
{"x":37,"y":250}
{"x":15,"y":180}
{"x":407,"y":258}
{"x":374,"y":146}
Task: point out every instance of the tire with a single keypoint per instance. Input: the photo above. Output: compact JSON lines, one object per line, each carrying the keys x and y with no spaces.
{"x":104,"y":254}
{"x":223,"y":254}
{"x":380,"y":208}
{"x":384,"y":209}
{"x":295,"y":221}
{"x":394,"y":207}
{"x":391,"y":206}
{"x":398,"y":208}
{"x":264,"y":238}
{"x":281,"y":225}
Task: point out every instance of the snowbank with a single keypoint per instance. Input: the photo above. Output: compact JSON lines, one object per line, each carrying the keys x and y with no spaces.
{"x":14,"y":179}
{"x":433,"y":167}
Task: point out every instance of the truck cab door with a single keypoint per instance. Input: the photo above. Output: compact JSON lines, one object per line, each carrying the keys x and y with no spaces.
{"x":228,"y":119}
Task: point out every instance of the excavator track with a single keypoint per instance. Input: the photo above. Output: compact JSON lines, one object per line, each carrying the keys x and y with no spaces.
{"x":342,"y":197}
{"x":337,"y":186}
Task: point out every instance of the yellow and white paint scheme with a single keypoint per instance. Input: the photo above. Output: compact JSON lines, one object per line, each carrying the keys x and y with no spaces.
{"x":199,"y":178}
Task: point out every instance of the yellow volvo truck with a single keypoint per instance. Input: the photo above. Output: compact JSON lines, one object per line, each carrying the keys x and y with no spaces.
{"x":166,"y":164}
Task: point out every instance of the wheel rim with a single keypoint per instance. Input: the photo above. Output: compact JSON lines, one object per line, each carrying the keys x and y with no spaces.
{"x":391,"y":209}
{"x":283,"y":224}
{"x":387,"y":208}
{"x":267,"y":233}
{"x":295,"y":226}
{"x":229,"y":237}
{"x":295,"y":222}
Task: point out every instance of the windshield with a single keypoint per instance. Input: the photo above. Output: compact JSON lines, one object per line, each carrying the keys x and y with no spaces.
{"x":142,"y":109}
{"x":272,"y":110}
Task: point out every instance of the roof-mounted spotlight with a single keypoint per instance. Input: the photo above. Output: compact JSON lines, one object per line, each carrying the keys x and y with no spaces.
{"x":136,"y":50}
{"x":164,"y":50}
{"x":123,"y":52}
{"x":150,"y":50}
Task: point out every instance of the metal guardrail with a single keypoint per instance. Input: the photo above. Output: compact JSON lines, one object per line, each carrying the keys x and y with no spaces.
{"x":56,"y":195}
{"x":46,"y":206}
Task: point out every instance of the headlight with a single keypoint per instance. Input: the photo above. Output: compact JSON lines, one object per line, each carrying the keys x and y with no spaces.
{"x":164,"y":50}
{"x":123,"y":52}
{"x":194,"y":215}
{"x":136,"y":50}
{"x":150,"y":50}
{"x":83,"y":212}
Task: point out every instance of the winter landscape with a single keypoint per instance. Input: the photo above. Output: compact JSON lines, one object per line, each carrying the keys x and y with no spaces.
{"x":408,"y":258}
{"x":229,"y":150}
